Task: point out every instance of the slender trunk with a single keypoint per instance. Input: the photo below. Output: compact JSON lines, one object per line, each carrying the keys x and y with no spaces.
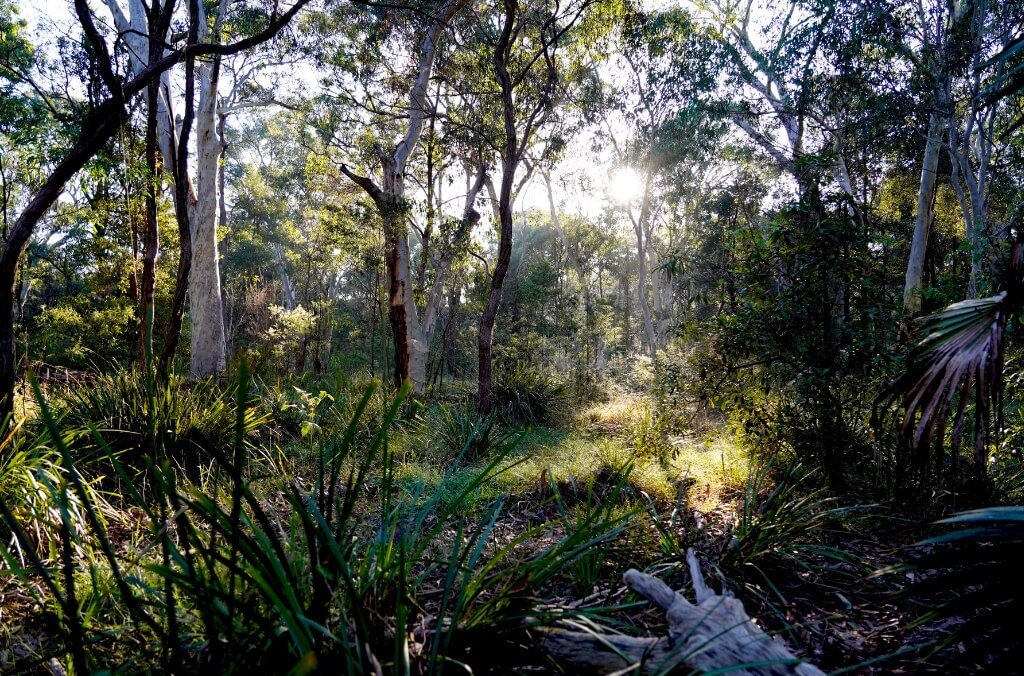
{"x":510,"y":161}
{"x":922,"y":223}
{"x":152,"y":237}
{"x":208,"y":350}
{"x":287,"y":289}
{"x":452,"y":330}
{"x":184,"y":201}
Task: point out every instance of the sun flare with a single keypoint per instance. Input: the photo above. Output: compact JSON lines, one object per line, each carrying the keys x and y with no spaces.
{"x":625,"y":185}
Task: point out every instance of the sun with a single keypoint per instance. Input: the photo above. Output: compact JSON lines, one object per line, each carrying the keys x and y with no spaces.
{"x":625,"y":185}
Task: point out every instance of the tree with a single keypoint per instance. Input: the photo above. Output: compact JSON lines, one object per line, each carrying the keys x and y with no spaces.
{"x":524,"y":57}
{"x":99,"y":124}
{"x":198,"y":201}
{"x":411,"y":332}
{"x":663,"y":103}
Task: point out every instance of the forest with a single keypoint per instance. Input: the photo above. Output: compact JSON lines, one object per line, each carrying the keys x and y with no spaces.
{"x":511,"y":336}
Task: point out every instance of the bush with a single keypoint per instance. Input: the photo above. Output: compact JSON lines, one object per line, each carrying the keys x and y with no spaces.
{"x":523,"y":395}
{"x":193,"y":423}
{"x":780,"y":528}
{"x":333,"y":578}
{"x":32,"y":476}
{"x":460,"y":433}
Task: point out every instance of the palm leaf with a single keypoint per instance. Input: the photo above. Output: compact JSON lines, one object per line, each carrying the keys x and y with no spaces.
{"x":972,"y":576}
{"x":959,"y":360}
{"x":1010,"y":80}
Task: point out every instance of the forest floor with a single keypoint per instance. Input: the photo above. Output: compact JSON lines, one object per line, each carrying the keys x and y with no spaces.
{"x":806,"y":579}
{"x":825,"y":600}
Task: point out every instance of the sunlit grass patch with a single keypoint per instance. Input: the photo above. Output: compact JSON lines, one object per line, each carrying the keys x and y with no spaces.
{"x":617,"y":416}
{"x":717,"y":464}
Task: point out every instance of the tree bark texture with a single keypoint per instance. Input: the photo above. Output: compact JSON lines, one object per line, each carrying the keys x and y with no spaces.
{"x":208,"y":348}
{"x":923,"y":221}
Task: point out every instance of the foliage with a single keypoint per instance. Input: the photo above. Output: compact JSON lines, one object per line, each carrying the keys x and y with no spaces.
{"x":792,"y":359}
{"x":80,"y":332}
{"x":460,"y":433}
{"x":970,"y":574}
{"x":780,"y":527}
{"x":954,"y":372}
{"x":225,"y":582}
{"x":525,"y":395}
{"x":193,"y":422}
{"x":31,"y":478}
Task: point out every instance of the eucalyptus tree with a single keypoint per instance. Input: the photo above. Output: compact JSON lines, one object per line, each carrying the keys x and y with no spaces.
{"x":423,"y":38}
{"x":107,"y":109}
{"x":661,"y":125}
{"x":778,"y":66}
{"x":530,"y":46}
{"x":956,"y":371}
{"x":198,"y":199}
{"x":975,"y":140}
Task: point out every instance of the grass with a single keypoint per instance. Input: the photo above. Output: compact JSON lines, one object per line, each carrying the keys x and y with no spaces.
{"x":426,"y":530}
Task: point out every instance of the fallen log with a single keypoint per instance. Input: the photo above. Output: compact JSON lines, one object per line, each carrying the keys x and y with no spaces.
{"x":713,"y":635}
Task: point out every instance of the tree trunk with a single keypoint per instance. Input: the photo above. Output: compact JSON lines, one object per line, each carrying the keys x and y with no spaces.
{"x":152,"y":235}
{"x":208,"y":353}
{"x":99,"y":126}
{"x":489,"y":316}
{"x":389,"y":198}
{"x":510,"y":161}
{"x":397,"y":269}
{"x":641,"y":288}
{"x":922,"y":223}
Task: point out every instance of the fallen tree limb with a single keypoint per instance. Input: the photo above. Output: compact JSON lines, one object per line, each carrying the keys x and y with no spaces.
{"x":715,"y":634}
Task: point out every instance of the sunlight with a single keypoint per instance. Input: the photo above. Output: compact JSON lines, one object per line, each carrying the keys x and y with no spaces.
{"x":625,"y":185}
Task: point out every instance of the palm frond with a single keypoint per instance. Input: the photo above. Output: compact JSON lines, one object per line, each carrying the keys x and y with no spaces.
{"x":960,"y":360}
{"x":1010,"y":80}
{"x":970,"y":576}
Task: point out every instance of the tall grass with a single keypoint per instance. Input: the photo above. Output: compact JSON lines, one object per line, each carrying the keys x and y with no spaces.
{"x":192,"y":422}
{"x":524,"y":395}
{"x":346,"y":572}
{"x":782,"y":528}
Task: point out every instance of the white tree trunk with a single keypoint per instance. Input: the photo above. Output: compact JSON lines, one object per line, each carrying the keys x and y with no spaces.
{"x":923,"y":221}
{"x":419,"y":350}
{"x":208,"y":355}
{"x":287,"y":288}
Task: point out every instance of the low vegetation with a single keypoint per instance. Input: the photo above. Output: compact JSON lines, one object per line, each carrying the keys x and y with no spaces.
{"x":344,"y":336}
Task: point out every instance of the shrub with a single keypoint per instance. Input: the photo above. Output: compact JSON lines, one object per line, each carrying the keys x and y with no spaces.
{"x":780,"y":528}
{"x":459,"y":432}
{"x":31,"y":477}
{"x":192,"y":422}
{"x":523,"y":395}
